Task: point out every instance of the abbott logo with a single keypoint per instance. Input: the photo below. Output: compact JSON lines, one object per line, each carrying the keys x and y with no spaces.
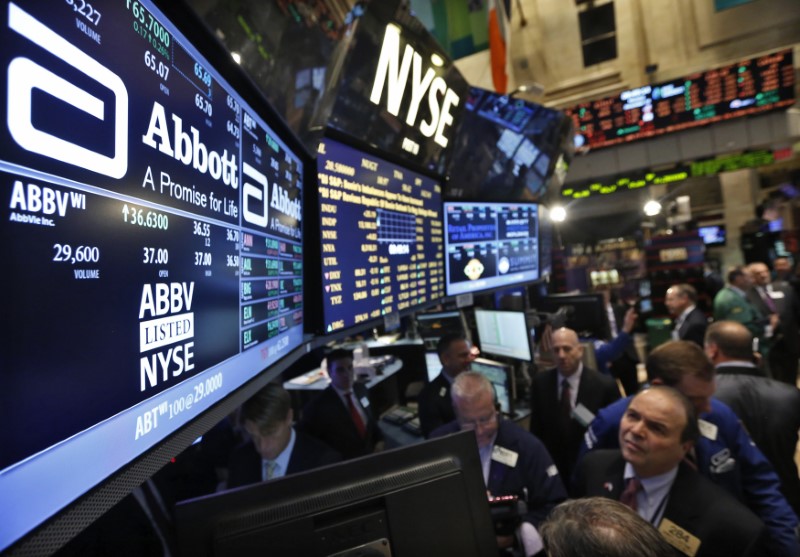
{"x":24,"y":75}
{"x":254,"y":196}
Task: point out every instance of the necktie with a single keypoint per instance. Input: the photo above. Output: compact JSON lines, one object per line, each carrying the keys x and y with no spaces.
{"x":566,"y":404}
{"x":767,"y":300}
{"x":357,"y":420}
{"x":268,"y":469}
{"x":628,"y":496}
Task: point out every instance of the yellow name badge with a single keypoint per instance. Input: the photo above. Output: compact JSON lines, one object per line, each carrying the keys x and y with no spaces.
{"x":679,"y":538}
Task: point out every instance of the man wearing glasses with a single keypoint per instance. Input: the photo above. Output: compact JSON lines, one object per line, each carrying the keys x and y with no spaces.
{"x":514,"y":461}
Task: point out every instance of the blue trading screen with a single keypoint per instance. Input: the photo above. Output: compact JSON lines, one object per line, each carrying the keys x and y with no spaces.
{"x":490,"y":245}
{"x":152,"y":227}
{"x":381,"y":234}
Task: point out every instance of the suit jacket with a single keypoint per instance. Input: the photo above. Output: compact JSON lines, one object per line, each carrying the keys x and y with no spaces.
{"x":783,"y":348}
{"x":245,"y":463}
{"x":786,"y":306}
{"x":327,"y":418}
{"x":729,"y":305}
{"x":694,"y":327}
{"x":724,"y":526}
{"x":595,"y":391}
{"x":533,"y":474}
{"x":770,"y":410}
{"x":435,"y":405}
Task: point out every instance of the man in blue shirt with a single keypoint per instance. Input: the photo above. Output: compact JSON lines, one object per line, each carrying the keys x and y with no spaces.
{"x":724,"y":453}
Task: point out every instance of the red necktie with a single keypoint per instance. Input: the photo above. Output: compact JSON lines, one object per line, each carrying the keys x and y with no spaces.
{"x":628,"y":496}
{"x":357,"y":419}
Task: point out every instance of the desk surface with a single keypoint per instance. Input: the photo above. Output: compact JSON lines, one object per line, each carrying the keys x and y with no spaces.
{"x":317,"y":379}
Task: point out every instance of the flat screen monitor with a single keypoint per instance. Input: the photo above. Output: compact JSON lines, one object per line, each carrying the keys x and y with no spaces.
{"x":381,"y":237}
{"x":390,"y":503}
{"x":152,"y":236}
{"x":503,"y":333}
{"x":433,"y":325}
{"x":584,"y":313}
{"x":712,"y":235}
{"x":490,"y":245}
{"x":501,"y":376}
{"x":506,"y":148}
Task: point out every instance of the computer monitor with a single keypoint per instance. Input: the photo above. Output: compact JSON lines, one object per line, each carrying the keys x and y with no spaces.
{"x":408,"y":502}
{"x":433,"y":325}
{"x":503,"y":333}
{"x":502,"y":378}
{"x":584,"y":313}
{"x":713,"y":235}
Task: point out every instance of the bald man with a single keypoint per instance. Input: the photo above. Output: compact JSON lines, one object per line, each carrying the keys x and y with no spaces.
{"x":769,"y":409}
{"x":565,"y":399}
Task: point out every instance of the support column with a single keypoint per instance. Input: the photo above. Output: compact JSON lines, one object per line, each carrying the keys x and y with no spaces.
{"x":740,"y":190}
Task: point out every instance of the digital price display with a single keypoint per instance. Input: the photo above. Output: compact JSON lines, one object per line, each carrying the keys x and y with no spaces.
{"x":490,"y":245}
{"x":745,"y":88}
{"x":381,"y":229}
{"x":152,"y":224}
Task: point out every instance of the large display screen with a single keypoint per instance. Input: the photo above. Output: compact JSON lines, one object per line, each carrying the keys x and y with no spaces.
{"x":490,"y":245}
{"x":152,"y":230}
{"x":506,"y":149}
{"x":741,"y":89}
{"x":381,"y":234}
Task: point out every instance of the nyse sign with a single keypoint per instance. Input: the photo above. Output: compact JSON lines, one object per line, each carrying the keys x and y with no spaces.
{"x":392,"y":75}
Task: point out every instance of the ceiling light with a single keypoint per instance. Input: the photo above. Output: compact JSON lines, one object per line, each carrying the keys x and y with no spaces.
{"x":558,"y":213}
{"x":652,"y":208}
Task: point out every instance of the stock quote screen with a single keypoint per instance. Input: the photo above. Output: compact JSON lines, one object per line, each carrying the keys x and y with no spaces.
{"x":748,"y":87}
{"x":381,"y":228}
{"x":152,"y":224}
{"x":490,"y":245}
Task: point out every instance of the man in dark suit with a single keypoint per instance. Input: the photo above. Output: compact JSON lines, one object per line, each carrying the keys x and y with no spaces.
{"x":514,"y":461}
{"x":341,"y":415}
{"x":649,"y":474}
{"x":769,"y":409}
{"x":689,"y":321}
{"x":275,"y":448}
{"x":779,"y":302}
{"x":783,"y":274}
{"x":565,"y":399}
{"x":435,"y":405}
